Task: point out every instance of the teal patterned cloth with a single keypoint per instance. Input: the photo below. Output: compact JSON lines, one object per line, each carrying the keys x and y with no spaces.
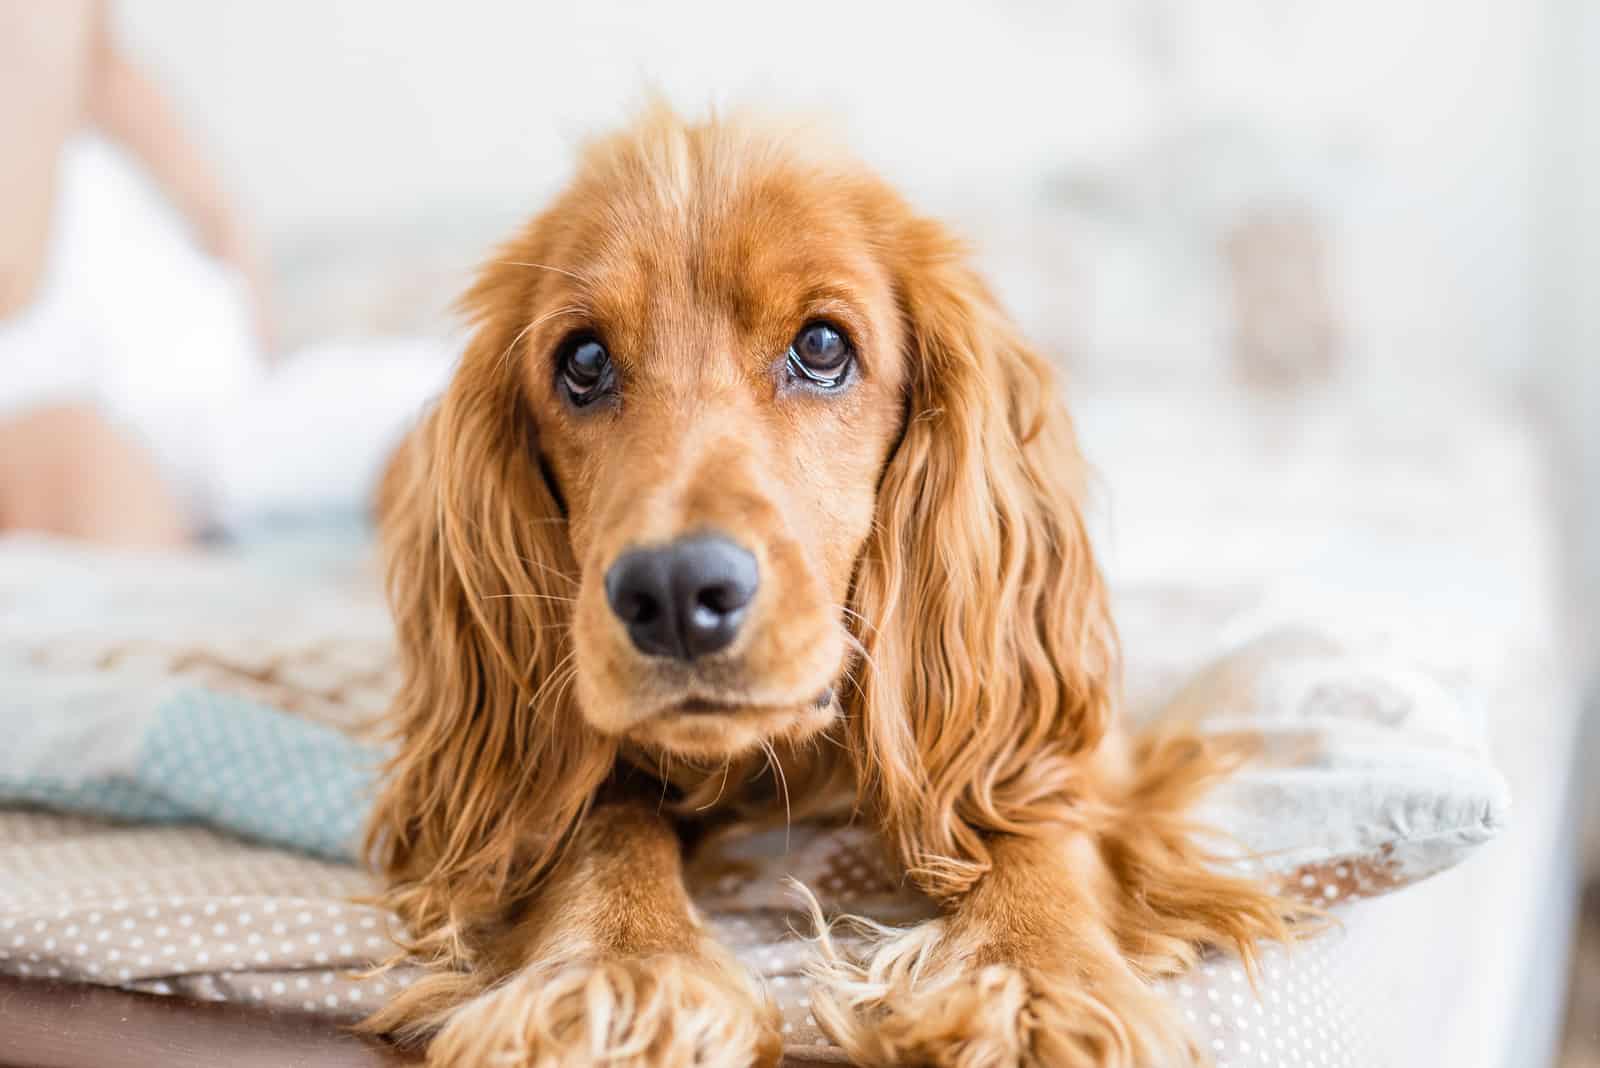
{"x":129,"y":683}
{"x":196,"y":756}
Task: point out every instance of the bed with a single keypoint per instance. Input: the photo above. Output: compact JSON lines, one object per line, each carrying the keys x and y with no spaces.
{"x":1424,"y":524}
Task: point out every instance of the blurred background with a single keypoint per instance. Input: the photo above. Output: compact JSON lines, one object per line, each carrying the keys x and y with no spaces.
{"x":1130,"y":169}
{"x":1366,"y":228}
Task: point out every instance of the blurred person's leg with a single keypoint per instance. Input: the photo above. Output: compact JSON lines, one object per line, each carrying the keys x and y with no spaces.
{"x":133,"y":366}
{"x":171,"y":349}
{"x":126,"y":322}
{"x":44,"y":54}
{"x":130,"y":322}
{"x":130,"y":108}
{"x":66,"y":470}
{"x":63,"y":469}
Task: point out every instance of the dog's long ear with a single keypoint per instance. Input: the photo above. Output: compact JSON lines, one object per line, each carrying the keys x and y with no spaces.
{"x":495,"y":763}
{"x":990,"y":657}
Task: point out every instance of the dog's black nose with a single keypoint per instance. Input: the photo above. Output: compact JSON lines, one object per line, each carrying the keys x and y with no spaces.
{"x":683,"y":599}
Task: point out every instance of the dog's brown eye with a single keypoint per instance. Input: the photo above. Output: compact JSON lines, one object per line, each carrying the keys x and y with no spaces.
{"x":585,"y":369}
{"x":820,"y":355}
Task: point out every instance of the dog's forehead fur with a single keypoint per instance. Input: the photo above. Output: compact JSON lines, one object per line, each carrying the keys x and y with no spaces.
{"x":688,"y":242}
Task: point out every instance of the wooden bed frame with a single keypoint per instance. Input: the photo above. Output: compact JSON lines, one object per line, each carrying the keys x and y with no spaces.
{"x":60,"y":1025}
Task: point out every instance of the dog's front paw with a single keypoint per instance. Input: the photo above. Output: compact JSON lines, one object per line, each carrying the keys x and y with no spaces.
{"x":919,"y":1001}
{"x":672,"y":1010}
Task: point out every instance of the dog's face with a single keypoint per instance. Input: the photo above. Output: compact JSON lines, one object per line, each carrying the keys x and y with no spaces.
{"x":736,"y":427}
{"x":715,"y":375}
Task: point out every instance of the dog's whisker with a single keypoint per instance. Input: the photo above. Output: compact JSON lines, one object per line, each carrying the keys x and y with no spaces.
{"x":574,"y":275}
{"x":556,"y":313}
{"x":567,"y":666}
{"x":569,"y":309}
{"x":783,"y":782}
{"x":861,"y":651}
{"x":560,"y":680}
{"x":727,"y":766}
{"x":827,"y":736}
{"x":861,"y":692}
{"x":567,"y":685}
{"x":515,"y":341}
{"x":663,"y":772}
{"x":531,"y":596}
{"x":863,"y":620}
{"x":542,"y":566}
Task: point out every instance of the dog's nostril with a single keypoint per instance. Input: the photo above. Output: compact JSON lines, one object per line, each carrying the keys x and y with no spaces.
{"x":715,"y":607}
{"x":683,"y":599}
{"x":716,"y":601}
{"x":640,"y":608}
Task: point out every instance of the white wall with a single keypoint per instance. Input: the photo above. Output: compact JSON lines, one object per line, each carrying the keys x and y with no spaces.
{"x":1569,"y":247}
{"x":1411,"y":120}
{"x":1432,"y":104}
{"x":1569,"y":318}
{"x":368,"y":110}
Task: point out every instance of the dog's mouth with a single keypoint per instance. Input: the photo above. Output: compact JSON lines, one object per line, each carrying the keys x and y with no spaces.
{"x":704,"y":727}
{"x":703,"y":706}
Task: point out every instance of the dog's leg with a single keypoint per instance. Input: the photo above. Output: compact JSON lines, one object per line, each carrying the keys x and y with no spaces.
{"x":1030,"y":968}
{"x":615,"y":968}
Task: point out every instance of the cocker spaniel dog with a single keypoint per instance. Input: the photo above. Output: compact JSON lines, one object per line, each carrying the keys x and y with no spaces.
{"x":745,"y":480}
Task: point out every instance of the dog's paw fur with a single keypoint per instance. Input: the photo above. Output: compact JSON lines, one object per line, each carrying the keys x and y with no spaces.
{"x":670,"y":1010}
{"x":916,"y":1000}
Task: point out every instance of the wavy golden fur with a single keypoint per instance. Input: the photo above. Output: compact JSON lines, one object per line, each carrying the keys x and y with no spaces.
{"x":929,"y":645}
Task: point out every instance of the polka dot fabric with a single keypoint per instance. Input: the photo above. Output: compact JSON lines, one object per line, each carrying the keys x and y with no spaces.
{"x":1298,"y":1014}
{"x":188,"y":912}
{"x":247,"y":767}
{"x":183,"y":911}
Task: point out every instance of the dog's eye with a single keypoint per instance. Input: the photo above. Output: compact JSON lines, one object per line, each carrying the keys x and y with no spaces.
{"x":820,"y":355}
{"x":585,"y":369}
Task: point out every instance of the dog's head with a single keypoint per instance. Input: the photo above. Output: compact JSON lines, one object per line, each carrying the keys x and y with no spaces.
{"x":741,"y":450}
{"x":713,"y":379}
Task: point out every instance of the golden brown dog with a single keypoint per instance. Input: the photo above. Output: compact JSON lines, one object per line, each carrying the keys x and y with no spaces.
{"x":745,"y":482}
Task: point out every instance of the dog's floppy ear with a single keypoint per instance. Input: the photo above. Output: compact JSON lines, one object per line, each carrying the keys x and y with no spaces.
{"x":990,"y":657}
{"x":495,"y":763}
